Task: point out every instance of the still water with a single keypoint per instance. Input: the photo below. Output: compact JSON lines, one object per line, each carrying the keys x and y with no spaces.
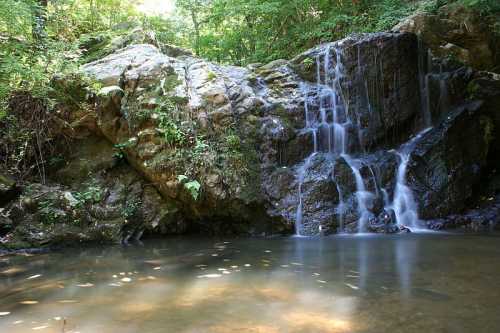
{"x":405,"y":283}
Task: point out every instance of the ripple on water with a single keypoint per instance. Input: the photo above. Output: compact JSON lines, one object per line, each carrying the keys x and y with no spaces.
{"x":338,"y":284}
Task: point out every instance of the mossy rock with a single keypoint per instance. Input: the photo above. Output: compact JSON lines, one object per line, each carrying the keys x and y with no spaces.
{"x":90,"y":156}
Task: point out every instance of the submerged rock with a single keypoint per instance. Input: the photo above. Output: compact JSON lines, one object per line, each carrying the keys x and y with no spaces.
{"x":484,"y":218}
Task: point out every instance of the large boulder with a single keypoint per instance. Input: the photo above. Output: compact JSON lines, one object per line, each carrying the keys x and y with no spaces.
{"x":175,"y":121}
{"x":447,"y":162}
{"x":458,"y":32}
{"x":95,"y":197}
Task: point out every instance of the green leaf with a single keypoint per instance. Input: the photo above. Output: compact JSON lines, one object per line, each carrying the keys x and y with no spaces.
{"x":182,"y":178}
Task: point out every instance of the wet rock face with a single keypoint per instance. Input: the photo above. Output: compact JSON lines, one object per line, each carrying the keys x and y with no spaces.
{"x":447,"y":162}
{"x":256,"y":151}
{"x":378,"y":82}
{"x":484,"y":218}
{"x":367,"y":85}
{"x":327,"y":142}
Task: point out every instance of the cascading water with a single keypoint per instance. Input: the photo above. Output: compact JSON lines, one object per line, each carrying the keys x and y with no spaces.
{"x":338,"y":132}
{"x":424,"y":66}
{"x":363,"y":197}
{"x":329,"y":126}
{"x":404,"y":204}
{"x":330,"y":133}
{"x":301,"y":173}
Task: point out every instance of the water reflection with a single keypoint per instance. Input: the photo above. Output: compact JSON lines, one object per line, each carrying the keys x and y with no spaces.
{"x":406,"y":254}
{"x":339,"y":284}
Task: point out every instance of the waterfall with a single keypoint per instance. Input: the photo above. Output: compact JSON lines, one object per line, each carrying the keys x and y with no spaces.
{"x":301,"y":174}
{"x":330,"y":135}
{"x":329,"y":126}
{"x":364,"y":198}
{"x":310,"y":127}
{"x":328,"y":121}
{"x":404,"y":205}
{"x":424,"y":66}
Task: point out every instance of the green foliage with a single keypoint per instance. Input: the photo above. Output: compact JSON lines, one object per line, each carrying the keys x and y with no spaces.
{"x":192,"y":186}
{"x":200,"y":147}
{"x":211,"y":76}
{"x":39,"y":47}
{"x":308,"y":63}
{"x":246,"y":31}
{"x":486,"y":7}
{"x":167,"y":30}
{"x":120,"y":150}
{"x":173,"y":134}
{"x":90,"y":195}
{"x":49,"y":213}
{"x":29,"y":62}
{"x":473,"y":89}
{"x":131,"y":208}
{"x":167,"y":114}
{"x":233,"y":142}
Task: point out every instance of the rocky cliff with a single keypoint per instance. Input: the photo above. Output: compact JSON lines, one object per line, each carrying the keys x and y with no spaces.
{"x":369,"y":133}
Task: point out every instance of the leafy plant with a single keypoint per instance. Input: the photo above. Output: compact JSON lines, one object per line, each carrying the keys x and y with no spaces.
{"x":308,"y":63}
{"x":49,"y":214}
{"x":200,"y":147}
{"x":233,"y":142}
{"x":484,"y":6}
{"x":131,"y":208}
{"x":192,"y":186}
{"x":172,"y":133}
{"x":91,"y":194}
{"x":211,"y":76}
{"x":120,"y":150}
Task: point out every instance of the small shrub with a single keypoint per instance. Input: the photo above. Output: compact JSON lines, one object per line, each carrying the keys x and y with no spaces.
{"x":308,"y":63}
{"x":131,"y":208}
{"x":92,"y":194}
{"x":49,"y":214}
{"x":211,"y":76}
{"x":173,"y":134}
{"x":120,"y":150}
{"x":233,"y":142}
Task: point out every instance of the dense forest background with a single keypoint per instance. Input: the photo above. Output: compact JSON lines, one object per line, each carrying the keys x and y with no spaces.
{"x":39,"y":38}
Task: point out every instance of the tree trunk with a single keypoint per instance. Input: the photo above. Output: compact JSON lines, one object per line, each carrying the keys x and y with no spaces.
{"x":196,"y":25}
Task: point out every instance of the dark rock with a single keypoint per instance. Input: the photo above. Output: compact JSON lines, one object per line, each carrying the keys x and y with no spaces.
{"x":9,"y":190}
{"x":382,"y":102}
{"x":486,"y":217}
{"x":447,"y":162}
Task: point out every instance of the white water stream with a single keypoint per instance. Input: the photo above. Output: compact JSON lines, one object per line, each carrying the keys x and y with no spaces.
{"x":328,"y":121}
